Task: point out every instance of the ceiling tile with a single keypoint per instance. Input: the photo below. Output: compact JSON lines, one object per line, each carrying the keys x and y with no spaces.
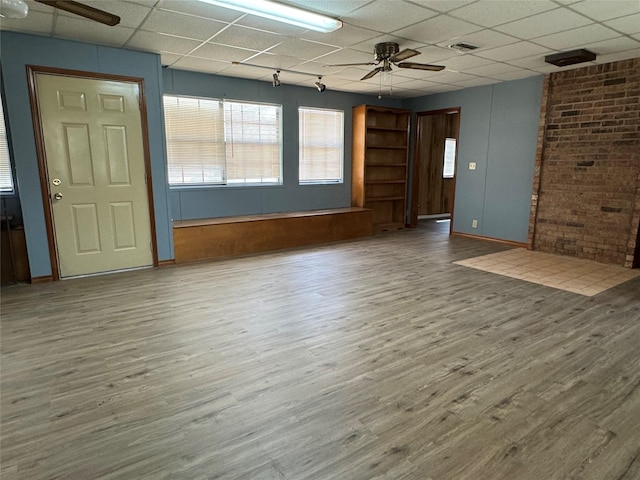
{"x":274,"y":61}
{"x":36,"y":22}
{"x":246,"y":71}
{"x":442,"y":5}
{"x":351,"y":73}
{"x":490,"y":14}
{"x":302,"y":48}
{"x":271,"y":26}
{"x":201,"y":9}
{"x":614,"y":57}
{"x":545,"y":23}
{"x":483,"y":39}
{"x":181,"y":25}
{"x":169,"y":58}
{"x":348,"y":35}
{"x":333,"y":8}
{"x":245,"y":37}
{"x":576,"y":37}
{"x":385,"y":16}
{"x":628,"y":25}
{"x":437,"y":29}
{"x":37,"y":7}
{"x":345,"y":56}
{"x":492,"y":69}
{"x":314,"y":68}
{"x":606,"y":10}
{"x":619,"y":44}
{"x":200,"y":65}
{"x":432,"y":54}
{"x":447,"y":77}
{"x":90,"y":31}
{"x":462,"y":62}
{"x":476,"y":82}
{"x":515,"y":50}
{"x":222,"y":53}
{"x":155,"y":42}
{"x":517,"y":75}
{"x":415,"y":84}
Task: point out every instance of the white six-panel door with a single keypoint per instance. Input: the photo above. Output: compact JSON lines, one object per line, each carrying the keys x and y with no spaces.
{"x":96,"y":171}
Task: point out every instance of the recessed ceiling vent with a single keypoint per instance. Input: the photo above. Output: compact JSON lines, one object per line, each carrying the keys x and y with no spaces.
{"x":564,"y":59}
{"x":462,"y":47}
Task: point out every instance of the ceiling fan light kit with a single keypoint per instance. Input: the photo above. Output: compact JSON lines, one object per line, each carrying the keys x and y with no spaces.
{"x":13,"y":8}
{"x":281,"y":13}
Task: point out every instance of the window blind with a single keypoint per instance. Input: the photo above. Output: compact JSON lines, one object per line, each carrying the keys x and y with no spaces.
{"x":321,"y":140}
{"x":6,"y":180}
{"x":195,"y":140}
{"x":211,"y":141}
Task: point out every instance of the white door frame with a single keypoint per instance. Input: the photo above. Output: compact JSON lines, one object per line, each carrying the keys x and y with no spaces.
{"x":32,"y":71}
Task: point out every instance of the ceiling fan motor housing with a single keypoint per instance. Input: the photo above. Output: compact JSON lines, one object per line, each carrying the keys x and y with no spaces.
{"x":385,"y":50}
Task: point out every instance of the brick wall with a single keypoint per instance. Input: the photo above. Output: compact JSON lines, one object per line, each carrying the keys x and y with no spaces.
{"x":586,"y":192}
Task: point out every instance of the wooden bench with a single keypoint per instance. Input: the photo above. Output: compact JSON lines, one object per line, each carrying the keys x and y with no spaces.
{"x":211,"y":238}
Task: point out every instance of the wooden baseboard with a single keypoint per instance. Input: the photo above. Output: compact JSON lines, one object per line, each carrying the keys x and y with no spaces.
{"x":207,"y":239}
{"x":42,"y":279}
{"x":166,"y":263}
{"x":491,"y":239}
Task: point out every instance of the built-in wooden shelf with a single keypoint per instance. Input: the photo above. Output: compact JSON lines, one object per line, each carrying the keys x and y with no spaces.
{"x":380,"y":157}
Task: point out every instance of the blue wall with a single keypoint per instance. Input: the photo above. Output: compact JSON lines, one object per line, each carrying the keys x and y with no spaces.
{"x":498,"y":131}
{"x":19,"y":50}
{"x":220,"y":201}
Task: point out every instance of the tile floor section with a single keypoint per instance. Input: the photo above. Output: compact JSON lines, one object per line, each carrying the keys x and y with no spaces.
{"x":575,"y":275}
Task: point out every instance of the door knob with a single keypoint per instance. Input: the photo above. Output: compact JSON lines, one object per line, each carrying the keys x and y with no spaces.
{"x":57,"y":196}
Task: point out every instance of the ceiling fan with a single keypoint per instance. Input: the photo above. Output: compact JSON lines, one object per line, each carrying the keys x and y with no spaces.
{"x":389,"y":53}
{"x":19,"y":9}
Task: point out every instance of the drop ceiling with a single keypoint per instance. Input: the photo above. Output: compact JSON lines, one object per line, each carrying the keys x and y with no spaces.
{"x":513,"y":37}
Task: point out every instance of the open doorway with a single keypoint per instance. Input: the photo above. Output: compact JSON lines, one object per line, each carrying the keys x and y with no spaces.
{"x":434,"y":164}
{"x":636,"y":258}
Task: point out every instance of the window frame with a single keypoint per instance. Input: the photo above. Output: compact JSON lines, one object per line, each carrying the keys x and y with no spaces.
{"x":339,"y":181}
{"x":227,"y":183}
{"x":7,"y":131}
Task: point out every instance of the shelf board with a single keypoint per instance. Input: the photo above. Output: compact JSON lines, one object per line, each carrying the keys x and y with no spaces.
{"x":383,"y":199}
{"x":390,"y":129}
{"x":370,"y":182}
{"x":388,"y":147}
{"x":388,"y":164}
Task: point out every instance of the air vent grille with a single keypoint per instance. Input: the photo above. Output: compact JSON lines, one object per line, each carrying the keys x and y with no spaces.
{"x":462,"y":47}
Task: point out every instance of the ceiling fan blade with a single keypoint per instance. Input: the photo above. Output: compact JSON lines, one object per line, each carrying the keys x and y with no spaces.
{"x":84,"y":11}
{"x":349,"y":64}
{"x":404,"y":54}
{"x":372,"y":73}
{"x":421,"y":66}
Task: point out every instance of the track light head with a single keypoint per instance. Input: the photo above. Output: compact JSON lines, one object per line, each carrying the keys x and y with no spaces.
{"x":319,"y":85}
{"x":276,"y":81}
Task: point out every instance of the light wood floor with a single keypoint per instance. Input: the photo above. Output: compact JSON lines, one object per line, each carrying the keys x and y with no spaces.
{"x":371,"y":359}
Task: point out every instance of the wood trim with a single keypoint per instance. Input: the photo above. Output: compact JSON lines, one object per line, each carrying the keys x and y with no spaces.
{"x":142,"y":100}
{"x":166,"y":263}
{"x":42,"y":279}
{"x":415,"y":181}
{"x":42,"y":167}
{"x":32,"y":71}
{"x":491,"y":239}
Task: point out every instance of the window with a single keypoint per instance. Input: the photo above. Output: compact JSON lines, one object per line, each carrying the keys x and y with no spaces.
{"x":321,"y":140}
{"x":6,"y":180}
{"x":218,"y":142}
{"x":449,"y":168}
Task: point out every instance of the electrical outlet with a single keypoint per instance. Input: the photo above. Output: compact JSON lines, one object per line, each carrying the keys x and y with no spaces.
{"x":474,"y":223}
{"x":472,"y":165}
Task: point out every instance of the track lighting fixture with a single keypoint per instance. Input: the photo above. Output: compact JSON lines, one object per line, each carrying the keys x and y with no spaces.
{"x":276,"y":79}
{"x":319,"y":85}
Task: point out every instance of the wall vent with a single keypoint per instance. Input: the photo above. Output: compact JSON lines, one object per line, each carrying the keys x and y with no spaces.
{"x":462,"y":47}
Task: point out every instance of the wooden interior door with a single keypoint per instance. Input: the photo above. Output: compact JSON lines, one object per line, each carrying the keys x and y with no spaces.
{"x":432,"y":193}
{"x":96,"y":173}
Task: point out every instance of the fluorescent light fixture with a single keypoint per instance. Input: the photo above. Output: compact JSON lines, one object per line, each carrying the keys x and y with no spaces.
{"x":281,"y":13}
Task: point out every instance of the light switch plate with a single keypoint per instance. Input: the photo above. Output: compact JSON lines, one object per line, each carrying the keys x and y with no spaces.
{"x":472,"y":165}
